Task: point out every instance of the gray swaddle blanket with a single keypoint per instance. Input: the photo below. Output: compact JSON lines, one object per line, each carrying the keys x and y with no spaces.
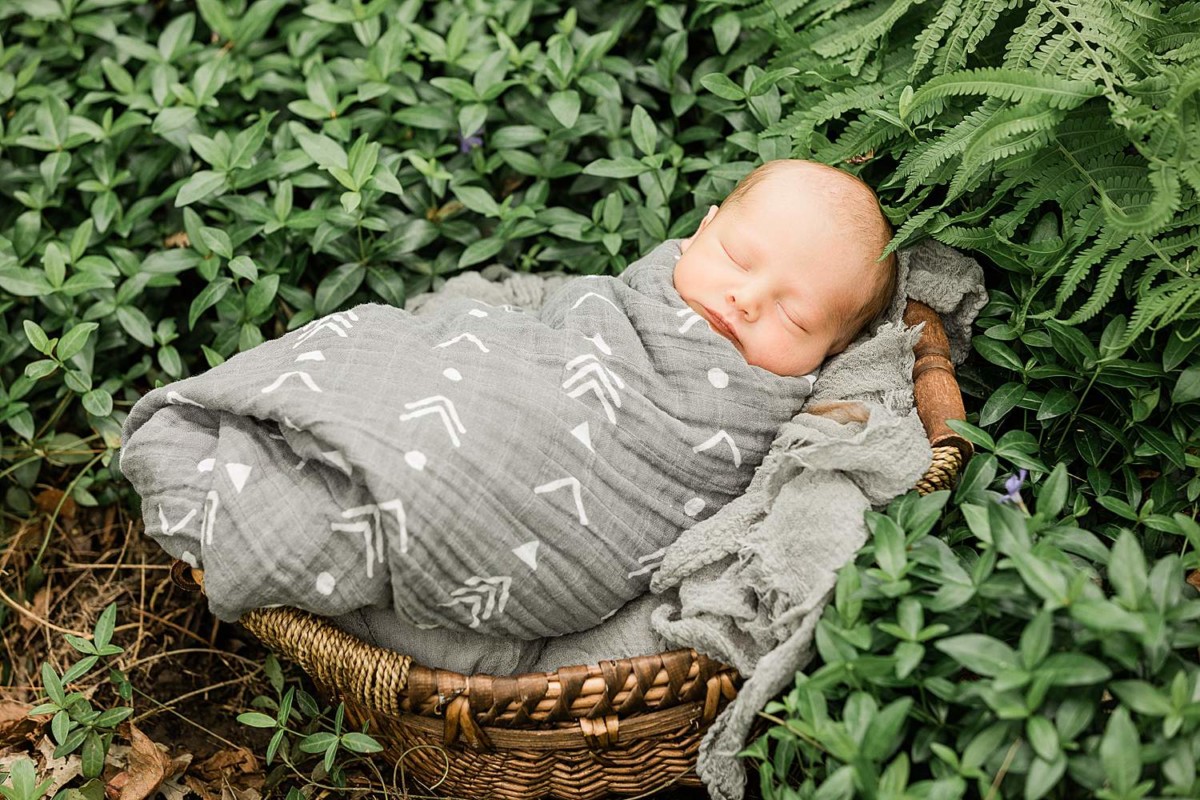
{"x":479,"y":469}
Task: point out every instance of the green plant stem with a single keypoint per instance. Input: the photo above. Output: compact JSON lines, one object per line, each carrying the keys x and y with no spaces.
{"x":61,"y":500}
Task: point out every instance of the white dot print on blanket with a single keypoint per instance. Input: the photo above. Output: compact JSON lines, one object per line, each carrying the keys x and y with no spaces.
{"x":450,"y":373}
{"x":415,"y":459}
{"x":206,"y":465}
{"x":477,"y":312}
{"x":325,"y":583}
{"x":718,"y":377}
{"x":694,"y":506}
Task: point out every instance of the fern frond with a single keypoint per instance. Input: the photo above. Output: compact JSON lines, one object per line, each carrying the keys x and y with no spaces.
{"x":965,"y":238}
{"x":923,"y":159}
{"x":1010,"y":131}
{"x":1016,"y":86}
{"x":927,"y":42}
{"x":1148,"y":212}
{"x":832,"y":107}
{"x":976,"y":22}
{"x":863,"y":40}
{"x":861,"y":136}
{"x":1106,"y":284}
{"x":1163,"y":305}
{"x":1027,"y":37}
{"x":1107,"y":242}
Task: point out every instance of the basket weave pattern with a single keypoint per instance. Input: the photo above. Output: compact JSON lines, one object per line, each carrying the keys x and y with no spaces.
{"x":620,"y":727}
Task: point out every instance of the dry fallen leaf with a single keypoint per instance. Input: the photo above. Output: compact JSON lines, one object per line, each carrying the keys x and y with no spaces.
{"x":1194,"y":578}
{"x":40,"y":607}
{"x":179,"y":239}
{"x":59,"y":770}
{"x":48,"y":499}
{"x":146,"y":768}
{"x":16,"y":725}
{"x":227,"y":761}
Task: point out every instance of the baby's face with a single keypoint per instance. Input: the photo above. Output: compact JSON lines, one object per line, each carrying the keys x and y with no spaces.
{"x":778,"y":274}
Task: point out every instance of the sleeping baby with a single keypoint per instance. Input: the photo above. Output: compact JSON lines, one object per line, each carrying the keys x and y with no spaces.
{"x":512,"y":473}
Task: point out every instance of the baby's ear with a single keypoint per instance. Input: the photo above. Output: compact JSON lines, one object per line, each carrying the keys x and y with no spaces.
{"x":686,"y":243}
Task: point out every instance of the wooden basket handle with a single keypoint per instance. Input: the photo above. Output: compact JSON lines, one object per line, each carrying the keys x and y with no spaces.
{"x":935,"y":387}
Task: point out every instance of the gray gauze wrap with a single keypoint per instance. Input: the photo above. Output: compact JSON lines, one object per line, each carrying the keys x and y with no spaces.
{"x":481,"y":468}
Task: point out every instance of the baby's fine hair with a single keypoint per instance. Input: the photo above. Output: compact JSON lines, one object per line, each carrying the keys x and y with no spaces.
{"x":854,"y":198}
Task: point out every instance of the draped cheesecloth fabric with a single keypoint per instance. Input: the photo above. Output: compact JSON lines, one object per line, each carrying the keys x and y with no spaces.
{"x":480,"y":469}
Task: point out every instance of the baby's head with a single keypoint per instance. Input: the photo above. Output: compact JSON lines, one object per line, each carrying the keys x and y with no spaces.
{"x":787,"y":268}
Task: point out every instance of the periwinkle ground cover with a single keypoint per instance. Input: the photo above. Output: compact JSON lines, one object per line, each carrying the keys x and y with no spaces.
{"x":184,"y":180}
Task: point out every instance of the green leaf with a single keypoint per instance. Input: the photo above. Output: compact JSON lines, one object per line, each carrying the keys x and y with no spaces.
{"x":565,"y":107}
{"x":624,"y":167}
{"x":37,"y":337}
{"x":1001,"y":401}
{"x":217,"y":241}
{"x":256,"y":720}
{"x":1121,"y":751}
{"x":720,"y":85}
{"x":726,"y":29}
{"x":199,"y":186}
{"x":321,"y":149}
{"x":998,"y":353}
{"x":361,"y":743}
{"x":978,"y":653}
{"x":208,"y":297}
{"x":338,"y":286}
{"x":1187,"y":387}
{"x":643,"y":131}
{"x":1058,"y":401}
{"x":52,"y":685}
{"x":1052,"y":494}
{"x":98,"y":402}
{"x":1127,"y":570}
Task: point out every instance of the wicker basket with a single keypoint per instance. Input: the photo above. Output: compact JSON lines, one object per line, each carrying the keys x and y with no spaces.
{"x":623,"y":727}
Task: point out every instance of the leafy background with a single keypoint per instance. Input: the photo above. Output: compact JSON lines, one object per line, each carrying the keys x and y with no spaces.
{"x":182,"y":181}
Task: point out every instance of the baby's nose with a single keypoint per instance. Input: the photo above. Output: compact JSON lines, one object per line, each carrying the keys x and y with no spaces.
{"x":745,"y":304}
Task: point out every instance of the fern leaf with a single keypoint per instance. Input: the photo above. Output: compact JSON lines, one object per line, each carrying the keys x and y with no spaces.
{"x":1148,"y":212}
{"x":1108,"y":241}
{"x":1025,"y":39}
{"x":921,"y":162}
{"x":1106,"y":284}
{"x":927,"y":42}
{"x":976,"y":21}
{"x":1165,"y":304}
{"x":1015,"y":86}
{"x":1013,"y":130}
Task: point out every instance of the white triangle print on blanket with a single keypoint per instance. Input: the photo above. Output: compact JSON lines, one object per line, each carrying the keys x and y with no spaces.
{"x":206,"y":465}
{"x":528,"y":553}
{"x":238,"y":473}
{"x":583,"y":433}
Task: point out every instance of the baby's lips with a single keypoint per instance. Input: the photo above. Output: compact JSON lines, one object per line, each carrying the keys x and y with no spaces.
{"x":718,"y":324}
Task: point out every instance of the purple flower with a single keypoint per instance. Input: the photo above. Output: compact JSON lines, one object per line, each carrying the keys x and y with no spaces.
{"x":1013,"y":487}
{"x":468,"y":143}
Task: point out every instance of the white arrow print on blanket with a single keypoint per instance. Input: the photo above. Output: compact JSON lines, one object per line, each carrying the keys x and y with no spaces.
{"x":602,"y":375}
{"x":717,"y":438}
{"x":598,"y":297}
{"x":437,"y":405}
{"x":372,"y":529}
{"x":333,"y":322}
{"x":211,"y":503}
{"x":470,"y":337}
{"x":571,"y":481}
{"x":491,"y":596}
{"x":169,"y":529}
{"x":304,"y":376}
